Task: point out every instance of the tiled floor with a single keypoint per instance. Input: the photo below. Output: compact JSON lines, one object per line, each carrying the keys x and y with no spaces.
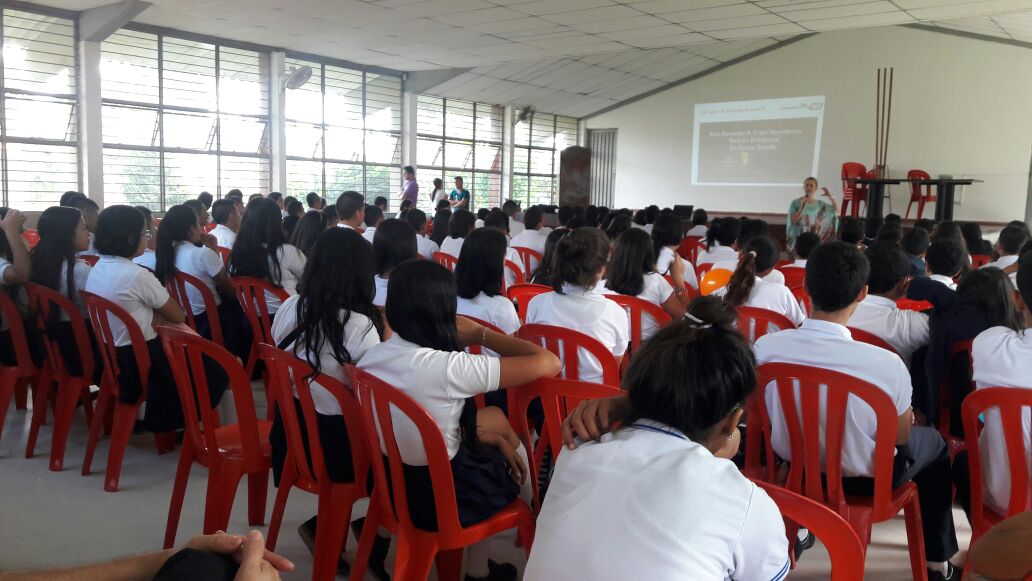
{"x":49,"y":519}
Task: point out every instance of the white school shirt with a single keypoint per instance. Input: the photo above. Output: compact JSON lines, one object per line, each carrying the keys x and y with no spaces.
{"x":440,"y":381}
{"x":830,"y":346}
{"x":666,"y":258}
{"x":4,"y":265}
{"x":698,"y":230}
{"x":225,"y":237}
{"x":359,"y":336}
{"x":380,"y":298}
{"x":478,"y":223}
{"x":292,"y":266}
{"x":656,"y":291}
{"x":797,"y":263}
{"x":1002,"y":263}
{"x":370,"y":231}
{"x":905,"y":330}
{"x":717,"y":254}
{"x":949,"y":282}
{"x":1001,"y":358}
{"x":775,"y":276}
{"x":133,"y":288}
{"x":452,"y":246}
{"x":532,"y":239}
{"x":147,"y":260}
{"x":515,"y":227}
{"x":587,"y":311}
{"x":773,"y":297}
{"x":426,"y":247}
{"x":81,"y":274}
{"x":646,"y":499}
{"x":497,"y":310}
{"x":201,"y":262}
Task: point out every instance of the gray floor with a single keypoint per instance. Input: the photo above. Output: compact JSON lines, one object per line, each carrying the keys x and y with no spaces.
{"x":49,"y":519}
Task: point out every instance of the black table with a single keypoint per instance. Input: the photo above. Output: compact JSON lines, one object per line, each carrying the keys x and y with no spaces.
{"x":945,"y":191}
{"x":876,"y":193}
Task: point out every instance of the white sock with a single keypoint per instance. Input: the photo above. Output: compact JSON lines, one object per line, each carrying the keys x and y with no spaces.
{"x":802,"y":533}
{"x":227,"y":409}
{"x":476,"y":559}
{"x":939,"y":566}
{"x":527,"y":488}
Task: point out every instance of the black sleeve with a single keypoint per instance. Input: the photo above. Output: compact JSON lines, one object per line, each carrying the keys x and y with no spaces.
{"x":933,"y":291}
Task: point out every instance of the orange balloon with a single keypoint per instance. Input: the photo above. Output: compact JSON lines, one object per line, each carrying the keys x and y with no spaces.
{"x":714,"y":279}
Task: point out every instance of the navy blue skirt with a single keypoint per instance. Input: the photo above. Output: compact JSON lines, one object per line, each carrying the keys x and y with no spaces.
{"x":236,"y":331}
{"x":333,"y":437}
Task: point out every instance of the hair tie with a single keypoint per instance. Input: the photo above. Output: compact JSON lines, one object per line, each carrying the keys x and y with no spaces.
{"x":698,"y":323}
{"x":752,"y":253}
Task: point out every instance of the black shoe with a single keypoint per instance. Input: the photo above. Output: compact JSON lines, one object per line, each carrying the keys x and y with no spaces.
{"x":378,"y":555}
{"x":497,"y":572}
{"x":307,"y":533}
{"x":952,"y":573}
{"x":804,"y":544}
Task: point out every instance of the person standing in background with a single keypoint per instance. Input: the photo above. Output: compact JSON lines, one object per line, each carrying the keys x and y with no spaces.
{"x":206,"y":199}
{"x":439,"y":194}
{"x":459,"y":197}
{"x":410,"y":190}
{"x":809,"y":214}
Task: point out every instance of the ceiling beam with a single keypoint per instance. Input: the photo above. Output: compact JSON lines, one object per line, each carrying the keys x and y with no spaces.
{"x":972,"y":35}
{"x":424,"y":81}
{"x":96,"y":24}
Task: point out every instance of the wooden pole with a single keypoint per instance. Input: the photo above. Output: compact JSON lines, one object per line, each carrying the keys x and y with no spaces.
{"x":877,"y":120}
{"x":888,"y":121}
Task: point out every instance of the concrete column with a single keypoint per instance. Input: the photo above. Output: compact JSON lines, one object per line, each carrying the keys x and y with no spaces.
{"x":507,"y":144}
{"x":91,"y":142}
{"x":278,"y":121}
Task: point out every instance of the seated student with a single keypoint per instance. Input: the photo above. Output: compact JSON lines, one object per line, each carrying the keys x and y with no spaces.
{"x":751,"y":228}
{"x":915,"y":243}
{"x":700,"y":221}
{"x":543,"y":272}
{"x":851,"y":231}
{"x":926,"y":224}
{"x":479,"y":276}
{"x":666,"y":238}
{"x":511,"y":208}
{"x":120,"y":236}
{"x":373,"y":218}
{"x":659,"y":498}
{"x":564,"y":213}
{"x":893,"y":219}
{"x":905,"y":330}
{"x":227,"y":222}
{"x":1007,"y":247}
{"x":747,"y":286}
{"x":442,"y":219}
{"x":261,"y":251}
{"x":146,"y":259}
{"x":351,"y":208}
{"x":460,"y":225}
{"x":889,"y":233}
{"x":425,"y":359}
{"x":972,"y":233}
{"x":638,"y":219}
{"x":720,"y":240}
{"x":481,"y":214}
{"x":836,"y":280}
{"x":203,"y":216}
{"x":579,"y":262}
{"x":330,"y":215}
{"x":315,"y":201}
{"x":871,"y":227}
{"x":1001,"y":357}
{"x":944,"y":261}
{"x":90,"y":213}
{"x":632,"y":271}
{"x":330,"y":323}
{"x":289,"y":225}
{"x":651,"y":213}
{"x":307,"y":231}
{"x":805,"y":244}
{"x":394,"y":243}
{"x":497,"y":220}
{"x":381,"y":203}
{"x":617,"y":226}
{"x":424,"y":245}
{"x":14,"y":255}
{"x":533,"y":236}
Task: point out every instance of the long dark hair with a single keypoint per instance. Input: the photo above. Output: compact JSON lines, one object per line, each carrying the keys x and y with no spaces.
{"x":338,"y":281}
{"x":666,"y":231}
{"x":259,"y":239}
{"x":990,"y":289}
{"x":633,"y":257}
{"x":579,"y":258}
{"x":56,"y":248}
{"x":393,"y":243}
{"x":543,"y":272}
{"x":759,"y":255}
{"x":308,"y":230}
{"x":462,"y":222}
{"x":441,"y":222}
{"x":724,"y":231}
{"x":481,"y":266}
{"x":174,"y":228}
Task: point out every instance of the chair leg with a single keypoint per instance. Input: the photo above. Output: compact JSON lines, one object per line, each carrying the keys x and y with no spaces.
{"x":449,"y":564}
{"x":122,"y":430}
{"x":526,"y":534}
{"x":67,"y":396}
{"x":39,"y":410}
{"x":915,"y":539}
{"x":280,"y":504}
{"x":165,"y":442}
{"x":7,"y":390}
{"x":257,"y":493}
{"x":21,"y":394}
{"x":175,"y":507}
{"x":415,"y":556}
{"x":331,"y":534}
{"x":221,"y":492}
{"x":920,"y":207}
{"x":365,"y":541}
{"x":105,"y":406}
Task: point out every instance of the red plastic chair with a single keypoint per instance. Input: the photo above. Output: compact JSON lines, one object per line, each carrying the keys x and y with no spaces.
{"x":688,"y":289}
{"x":521,"y":295}
{"x":980,"y":260}
{"x":56,"y":381}
{"x":844,"y":547}
{"x":381,"y":403}
{"x":530,"y":258}
{"x":446,"y":260}
{"x":916,"y":195}
{"x":961,"y":349}
{"x":102,"y":311}
{"x":228,"y":451}
{"x":224,"y":254}
{"x":566,"y":345}
{"x":754,"y":322}
{"x":558,"y":398}
{"x":209,"y":226}
{"x":517,"y":274}
{"x":851,"y":192}
{"x":802,"y":407}
{"x":335,"y":499}
{"x":478,"y":350}
{"x":803,"y":297}
{"x":14,"y":379}
{"x":871,"y":339}
{"x":690,"y":247}
{"x":701,"y":270}
{"x":912,"y":305}
{"x":31,"y":237}
{"x":795,"y":277}
{"x":177,"y":285}
{"x":91,"y":259}
{"x":1010,"y":403}
{"x":637,"y":309}
{"x":252,"y":293}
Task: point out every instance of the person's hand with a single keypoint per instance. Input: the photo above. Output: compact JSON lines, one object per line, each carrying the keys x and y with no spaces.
{"x":470,"y":333}
{"x":677,"y":269}
{"x":592,"y":419}
{"x":210,"y":241}
{"x":825,"y":192}
{"x":254,"y":565}
{"x":517,"y":469}
{"x":12,"y":222}
{"x":237,"y":546}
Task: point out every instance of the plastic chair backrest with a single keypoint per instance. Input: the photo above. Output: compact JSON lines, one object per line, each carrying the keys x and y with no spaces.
{"x":701,"y":270}
{"x":530,"y":258}
{"x":689,"y":248}
{"x":251,"y":294}
{"x":91,"y":259}
{"x":224,"y":253}
{"x":1010,"y":403}
{"x":284,"y":370}
{"x":851,"y":170}
{"x":803,"y":297}
{"x":47,"y":305}
{"x":16,"y":328}
{"x":714,"y":279}
{"x":209,"y":226}
{"x":802,"y":407}
{"x":958,"y":350}
{"x":637,"y":309}
{"x":446,"y":260}
{"x":980,"y":260}
{"x":836,"y":534}
{"x":912,"y":305}
{"x":558,"y":397}
{"x":479,"y":350}
{"x":31,"y":236}
{"x":187,"y":355}
{"x":795,"y":277}
{"x":566,"y":345}
{"x":101,"y":312}
{"x":871,"y":339}
{"x":688,"y":289}
{"x":754,"y":322}
{"x":517,"y":273}
{"x":915,"y":189}
{"x":521,"y":295}
{"x":177,"y":285}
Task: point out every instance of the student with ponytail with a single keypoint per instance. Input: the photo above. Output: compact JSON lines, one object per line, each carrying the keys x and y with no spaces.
{"x":393,"y":243}
{"x":543,"y":272}
{"x":747,"y":287}
{"x":632,"y":271}
{"x":720,"y":240}
{"x":666,"y":238}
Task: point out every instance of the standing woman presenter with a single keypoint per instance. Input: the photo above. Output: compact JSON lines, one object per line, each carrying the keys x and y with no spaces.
{"x":809,"y":213}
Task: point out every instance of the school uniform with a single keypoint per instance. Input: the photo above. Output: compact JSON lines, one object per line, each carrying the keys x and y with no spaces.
{"x":587,"y":311}
{"x":205,"y":264}
{"x":656,"y":504}
{"x":478,"y":223}
{"x":1002,"y":263}
{"x":775,"y":276}
{"x":773,"y":297}
{"x":698,"y":231}
{"x":380,"y":298}
{"x":147,"y":260}
{"x":359,"y":336}
{"x":717,"y":254}
{"x":515,"y":227}
{"x":666,"y":258}
{"x":426,"y":247}
{"x":61,"y":332}
{"x":945,"y":280}
{"x":442,"y":382}
{"x":924,"y":459}
{"x":656,"y":291}
{"x":225,"y":237}
{"x":905,"y":330}
{"x":532,"y":239}
{"x":918,"y":269}
{"x":369,"y":233}
{"x":292,"y":265}
{"x":452,"y":246}
{"x":497,"y":310}
{"x":4,"y":265}
{"x":797,"y":263}
{"x":80,"y":274}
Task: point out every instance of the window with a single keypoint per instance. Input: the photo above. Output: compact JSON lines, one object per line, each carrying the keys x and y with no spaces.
{"x":343,"y":130}
{"x":456,"y":138}
{"x":181,"y":117}
{"x":538,"y":142}
{"x":38,"y":137}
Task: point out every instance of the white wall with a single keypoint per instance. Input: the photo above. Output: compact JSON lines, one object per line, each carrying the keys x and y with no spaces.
{"x":961,"y":106}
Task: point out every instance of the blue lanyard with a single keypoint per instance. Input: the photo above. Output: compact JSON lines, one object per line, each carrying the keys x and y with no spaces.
{"x":669,"y":432}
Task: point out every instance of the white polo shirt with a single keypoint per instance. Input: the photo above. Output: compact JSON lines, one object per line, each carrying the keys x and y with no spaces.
{"x":426,"y":247}
{"x":203,"y":263}
{"x":830,"y":346}
{"x":587,"y":311}
{"x":515,"y":227}
{"x":497,"y":310}
{"x":81,"y":274}
{"x":452,"y":246}
{"x":773,"y":297}
{"x":532,"y":239}
{"x":797,"y":263}
{"x":905,"y":330}
{"x":133,"y":288}
{"x":359,"y":336}
{"x":1002,"y":263}
{"x":775,"y":276}
{"x":666,"y":258}
{"x":440,"y":381}
{"x":698,"y":230}
{"x":292,"y":266}
{"x":147,"y":260}
{"x":1001,"y":358}
{"x":656,"y":291}
{"x":380,"y":298}
{"x":370,"y":231}
{"x":225,"y":237}
{"x":648,"y":503}
{"x":949,"y":282}
{"x":717,"y":254}
{"x":4,"y":265}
